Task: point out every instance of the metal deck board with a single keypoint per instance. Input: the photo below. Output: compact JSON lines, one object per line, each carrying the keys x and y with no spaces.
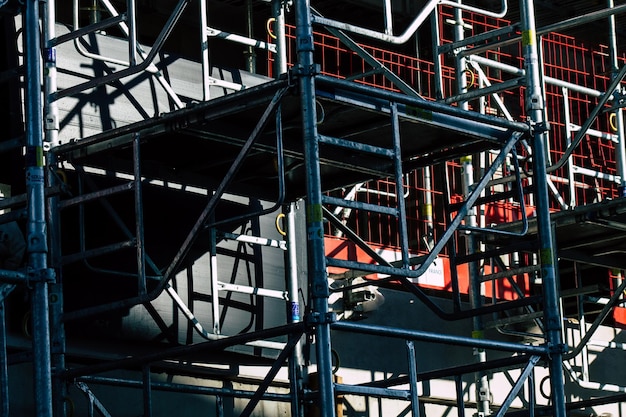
{"x":593,"y":234}
{"x":196,"y":145}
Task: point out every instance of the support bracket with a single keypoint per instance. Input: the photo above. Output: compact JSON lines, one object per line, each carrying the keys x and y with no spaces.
{"x":313,"y":319}
{"x":40,"y":275}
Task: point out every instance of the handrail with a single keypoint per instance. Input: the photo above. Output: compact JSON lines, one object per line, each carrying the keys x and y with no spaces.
{"x":367,"y":57}
{"x":520,"y":196}
{"x":174,"y":265}
{"x":412,"y":28}
{"x":158,"y":44}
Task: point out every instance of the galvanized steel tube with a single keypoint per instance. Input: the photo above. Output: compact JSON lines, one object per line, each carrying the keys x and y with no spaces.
{"x":315,"y":231}
{"x":547,"y":253}
{"x":280,"y":59}
{"x":620,"y":151}
{"x":36,"y":225}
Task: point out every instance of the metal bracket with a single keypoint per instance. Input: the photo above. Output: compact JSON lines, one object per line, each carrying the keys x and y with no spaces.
{"x":40,"y":275}
{"x":320,"y":318}
{"x":312,"y":69}
{"x":619,"y":101}
{"x":559,"y":348}
{"x":538,"y":127}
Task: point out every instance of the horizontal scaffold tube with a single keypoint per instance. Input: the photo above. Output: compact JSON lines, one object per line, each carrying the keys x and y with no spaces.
{"x":323,"y":82}
{"x":183,"y":388}
{"x":421,"y":17}
{"x":445,"y":339}
{"x":177,"y":352}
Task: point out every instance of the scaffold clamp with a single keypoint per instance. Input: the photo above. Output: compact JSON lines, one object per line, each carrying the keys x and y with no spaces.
{"x":40,"y":275}
{"x":312,"y":69}
{"x":320,"y":318}
{"x":537,"y":128}
{"x":619,"y":101}
{"x":556,"y":348}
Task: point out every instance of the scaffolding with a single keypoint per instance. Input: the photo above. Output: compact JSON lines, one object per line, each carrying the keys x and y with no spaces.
{"x":500,"y":156}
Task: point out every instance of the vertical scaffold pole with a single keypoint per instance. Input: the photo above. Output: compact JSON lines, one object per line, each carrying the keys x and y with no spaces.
{"x":280,"y":59}
{"x":204,"y":50}
{"x":435,"y":34}
{"x":476,"y":289}
{"x":51,"y":126}
{"x":620,"y":151}
{"x":36,"y":225}
{"x":318,"y":285}
{"x":296,"y":361}
{"x":535,"y":109}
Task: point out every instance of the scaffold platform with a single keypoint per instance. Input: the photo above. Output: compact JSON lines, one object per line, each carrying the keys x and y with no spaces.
{"x":592,"y":234}
{"x":197,"y":145}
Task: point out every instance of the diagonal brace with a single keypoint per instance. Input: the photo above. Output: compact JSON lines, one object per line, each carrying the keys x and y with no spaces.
{"x":518,"y":385}
{"x":293,"y":341}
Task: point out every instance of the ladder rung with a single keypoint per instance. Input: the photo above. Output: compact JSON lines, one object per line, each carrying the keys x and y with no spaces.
{"x":365,"y":269}
{"x":361,"y":147}
{"x":360,"y":205}
{"x":519,"y":318}
{"x":511,"y":273}
{"x":103,"y":250}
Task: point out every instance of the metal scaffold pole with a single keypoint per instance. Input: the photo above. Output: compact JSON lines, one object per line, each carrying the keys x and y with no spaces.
{"x":535,"y":110}
{"x":38,"y":275}
{"x":278,"y":14}
{"x":620,"y":151}
{"x":51,"y":126}
{"x":318,"y":285}
{"x":482,"y":390}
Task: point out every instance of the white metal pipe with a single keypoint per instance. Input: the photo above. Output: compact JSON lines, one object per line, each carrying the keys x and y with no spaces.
{"x":273,"y":243}
{"x":204,"y":50}
{"x":590,"y":384}
{"x":292,"y":264}
{"x":608,"y":345}
{"x":388,"y":18}
{"x":415,"y":24}
{"x":245,"y":289}
{"x":224,"y":84}
{"x":131,"y":17}
{"x":213,"y":336}
{"x":520,"y":72}
{"x":595,"y":174}
{"x":247,"y":41}
{"x":596,"y":133}
{"x":568,"y":142}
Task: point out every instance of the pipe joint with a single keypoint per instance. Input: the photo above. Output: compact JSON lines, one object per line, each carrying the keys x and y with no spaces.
{"x":537,"y":128}
{"x":37,"y":242}
{"x":317,"y":318}
{"x":306,"y":70}
{"x":40,"y":275}
{"x":556,"y":349}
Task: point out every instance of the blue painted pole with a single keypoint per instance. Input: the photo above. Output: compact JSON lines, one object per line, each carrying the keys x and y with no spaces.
{"x":547,"y":250}
{"x":315,"y":231}
{"x":36,"y":226}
